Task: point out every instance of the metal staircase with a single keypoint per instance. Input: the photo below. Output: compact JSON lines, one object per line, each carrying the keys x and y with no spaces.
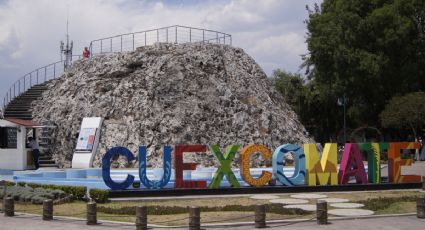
{"x":20,"y":106}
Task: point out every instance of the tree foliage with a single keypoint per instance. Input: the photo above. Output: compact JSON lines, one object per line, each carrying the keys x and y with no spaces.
{"x":406,"y":111}
{"x":368,"y":50}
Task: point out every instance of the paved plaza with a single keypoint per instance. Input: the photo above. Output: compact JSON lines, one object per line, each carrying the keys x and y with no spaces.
{"x":24,"y":222}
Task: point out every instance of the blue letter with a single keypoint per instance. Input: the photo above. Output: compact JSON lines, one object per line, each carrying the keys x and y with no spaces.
{"x":299,"y":160}
{"x":166,"y":164}
{"x":106,"y":168}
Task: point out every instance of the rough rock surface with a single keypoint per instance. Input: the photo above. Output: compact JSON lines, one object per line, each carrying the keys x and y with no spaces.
{"x":169,"y":94}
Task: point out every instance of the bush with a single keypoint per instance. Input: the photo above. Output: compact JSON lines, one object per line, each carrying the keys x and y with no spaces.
{"x":78,"y":192}
{"x":99,"y":195}
{"x":381,"y":203}
{"x":21,"y":184}
{"x":169,"y":210}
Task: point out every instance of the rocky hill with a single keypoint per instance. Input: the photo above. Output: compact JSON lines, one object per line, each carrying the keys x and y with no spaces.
{"x":168,"y":94}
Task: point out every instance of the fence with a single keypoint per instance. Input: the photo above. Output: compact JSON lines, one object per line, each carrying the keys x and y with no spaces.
{"x":119,"y":43}
{"x":35,"y":77}
{"x":172,"y":34}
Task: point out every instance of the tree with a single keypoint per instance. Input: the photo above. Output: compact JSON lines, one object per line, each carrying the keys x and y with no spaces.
{"x":291,"y":86}
{"x":368,"y":50}
{"x":406,"y":111}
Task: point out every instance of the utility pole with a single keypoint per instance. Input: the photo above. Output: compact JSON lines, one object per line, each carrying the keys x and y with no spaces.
{"x":66,"y":49}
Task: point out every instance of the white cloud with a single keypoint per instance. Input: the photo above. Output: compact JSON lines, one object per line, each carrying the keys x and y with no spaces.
{"x":272,"y":31}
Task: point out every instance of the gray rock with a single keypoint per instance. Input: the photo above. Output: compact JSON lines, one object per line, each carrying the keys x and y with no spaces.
{"x":169,"y":94}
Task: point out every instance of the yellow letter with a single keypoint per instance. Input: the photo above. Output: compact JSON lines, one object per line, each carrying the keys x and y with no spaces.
{"x":324,"y":170}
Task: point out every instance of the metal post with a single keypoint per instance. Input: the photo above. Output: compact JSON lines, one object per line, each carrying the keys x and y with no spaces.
{"x":157,"y":36}
{"x":9,"y":206}
{"x":203,"y":35}
{"x":91,"y":213}
{"x":121,"y":42}
{"x":133,"y":41}
{"x":24,"y":83}
{"x":194,"y":218}
{"x":101,"y":46}
{"x":30,"y":80}
{"x":345,"y":132}
{"x":111,"y":45}
{"x":37,"y":75}
{"x":14,"y":91}
{"x":190,"y":34}
{"x":54,"y":70}
{"x":260,"y":216}
{"x":19,"y":86}
{"x":176,"y":34}
{"x":420,"y":207}
{"x":3,"y":183}
{"x":45,"y":73}
{"x":141,"y":218}
{"x":216,"y":37}
{"x":48,"y":209}
{"x":166,"y":34}
{"x":322,"y":212}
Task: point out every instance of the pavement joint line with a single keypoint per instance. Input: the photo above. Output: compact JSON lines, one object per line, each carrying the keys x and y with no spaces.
{"x":228,"y":224}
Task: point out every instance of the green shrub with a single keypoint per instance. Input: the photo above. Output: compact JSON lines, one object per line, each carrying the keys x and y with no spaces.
{"x":381,"y":203}
{"x":78,"y":192}
{"x":99,"y":195}
{"x":169,"y":210}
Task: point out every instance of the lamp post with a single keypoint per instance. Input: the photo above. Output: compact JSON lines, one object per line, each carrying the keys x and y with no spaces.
{"x":343,"y":102}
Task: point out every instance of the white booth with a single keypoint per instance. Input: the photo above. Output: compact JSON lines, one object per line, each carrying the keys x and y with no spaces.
{"x":14,"y":154}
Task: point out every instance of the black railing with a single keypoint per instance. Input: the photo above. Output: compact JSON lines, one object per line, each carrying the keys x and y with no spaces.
{"x":119,"y":43}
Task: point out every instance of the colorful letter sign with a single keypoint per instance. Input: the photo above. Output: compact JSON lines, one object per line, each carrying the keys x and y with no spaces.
{"x":395,"y":162}
{"x":352,"y":165}
{"x":225,"y":168}
{"x":323,"y":171}
{"x":245,"y":159}
{"x":180,"y":166}
{"x":106,"y":168}
{"x":166,"y":166}
{"x":279,"y":161}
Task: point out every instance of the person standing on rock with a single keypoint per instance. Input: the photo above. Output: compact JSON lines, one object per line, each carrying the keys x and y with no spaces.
{"x":86,"y":52}
{"x":35,"y":151}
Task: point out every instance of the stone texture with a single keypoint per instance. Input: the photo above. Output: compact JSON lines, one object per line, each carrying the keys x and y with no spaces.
{"x":289,"y":201}
{"x":347,"y":205}
{"x":169,"y":94}
{"x":308,"y":196}
{"x":350,"y":212}
{"x":264,"y":197}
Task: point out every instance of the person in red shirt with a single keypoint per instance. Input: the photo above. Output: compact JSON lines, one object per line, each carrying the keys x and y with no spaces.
{"x":86,"y":52}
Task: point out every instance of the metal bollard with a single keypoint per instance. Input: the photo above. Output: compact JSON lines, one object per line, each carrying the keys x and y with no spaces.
{"x":9,"y":206}
{"x":194,"y":218}
{"x":260,"y":216}
{"x":423,"y":183}
{"x":141,"y":218}
{"x":48,"y":210}
{"x":322,"y":212}
{"x":91,"y":213}
{"x":420,"y":207}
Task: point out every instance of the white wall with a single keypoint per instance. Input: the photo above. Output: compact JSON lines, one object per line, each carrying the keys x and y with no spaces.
{"x":14,"y":159}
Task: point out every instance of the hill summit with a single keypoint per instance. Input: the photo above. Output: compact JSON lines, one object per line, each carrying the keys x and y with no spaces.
{"x":168,"y":94}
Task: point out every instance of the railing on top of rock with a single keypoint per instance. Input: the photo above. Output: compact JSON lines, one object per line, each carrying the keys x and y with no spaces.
{"x":119,"y":43}
{"x":171,"y":34}
{"x":35,"y":77}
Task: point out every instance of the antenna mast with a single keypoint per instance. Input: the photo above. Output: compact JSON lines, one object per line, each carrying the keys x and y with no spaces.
{"x":66,"y":49}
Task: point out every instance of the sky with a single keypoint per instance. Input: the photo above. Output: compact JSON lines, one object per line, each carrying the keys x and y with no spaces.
{"x":273,"y":32}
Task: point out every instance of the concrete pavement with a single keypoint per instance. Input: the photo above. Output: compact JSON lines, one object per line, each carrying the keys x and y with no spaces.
{"x":24,"y":222}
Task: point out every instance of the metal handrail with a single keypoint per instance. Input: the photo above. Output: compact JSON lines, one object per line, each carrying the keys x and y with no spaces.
{"x":35,"y":77}
{"x":126,"y":43}
{"x":172,"y":34}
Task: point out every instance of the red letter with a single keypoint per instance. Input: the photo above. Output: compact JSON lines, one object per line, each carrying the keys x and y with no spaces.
{"x":180,"y":166}
{"x":352,"y":165}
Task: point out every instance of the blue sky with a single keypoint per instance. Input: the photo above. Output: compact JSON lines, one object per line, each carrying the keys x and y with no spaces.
{"x":271,"y":31}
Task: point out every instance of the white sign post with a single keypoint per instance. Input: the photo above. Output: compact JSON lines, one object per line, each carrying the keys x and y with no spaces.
{"x":88,"y":140}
